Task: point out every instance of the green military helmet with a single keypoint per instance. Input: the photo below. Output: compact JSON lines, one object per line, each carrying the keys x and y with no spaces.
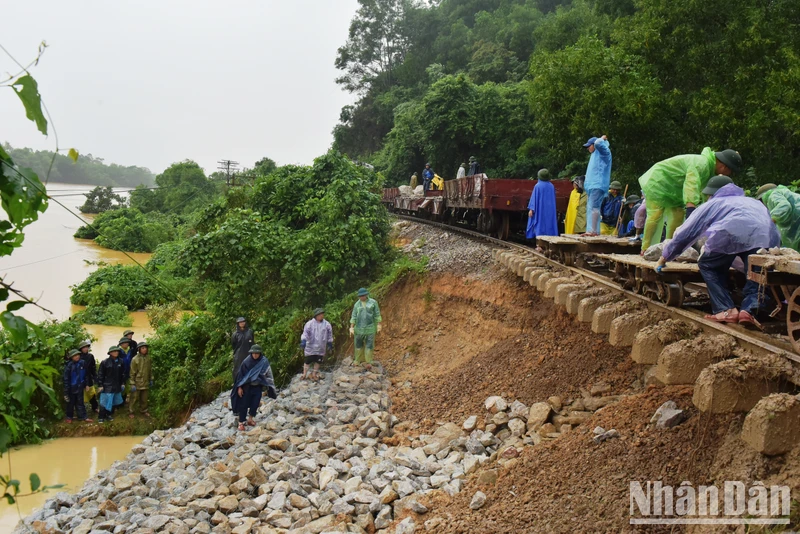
{"x":126,"y":332}
{"x":85,"y":344}
{"x":74,"y":352}
{"x":124,"y":340}
{"x":318,"y":311}
{"x":632,"y":199}
{"x":615,"y":185}
{"x":241,"y":320}
{"x":114,"y":348}
{"x":715,"y":183}
{"x":363,"y":292}
{"x":471,"y":159}
{"x":730,"y":158}
{"x":763,"y":189}
{"x":543,"y":175}
{"x":256,"y":348}
{"x":142,"y":344}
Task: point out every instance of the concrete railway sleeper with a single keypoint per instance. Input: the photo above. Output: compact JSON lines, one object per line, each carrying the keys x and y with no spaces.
{"x":731,"y":369}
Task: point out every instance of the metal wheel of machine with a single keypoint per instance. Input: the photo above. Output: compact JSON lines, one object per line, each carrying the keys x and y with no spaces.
{"x":484,"y":222}
{"x":671,"y":294}
{"x":502,"y":224}
{"x":793,"y":319}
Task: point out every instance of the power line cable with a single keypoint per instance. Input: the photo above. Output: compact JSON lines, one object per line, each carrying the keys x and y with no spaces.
{"x":90,"y":225}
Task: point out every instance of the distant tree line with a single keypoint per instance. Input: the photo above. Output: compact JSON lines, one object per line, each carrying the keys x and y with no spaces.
{"x":86,"y":170}
{"x":521,"y":84}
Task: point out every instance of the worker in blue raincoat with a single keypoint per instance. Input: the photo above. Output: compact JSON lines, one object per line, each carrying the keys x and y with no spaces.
{"x":610,"y":209}
{"x":542,"y":218}
{"x":427,"y":177}
{"x":736,"y":226}
{"x":598,"y":179}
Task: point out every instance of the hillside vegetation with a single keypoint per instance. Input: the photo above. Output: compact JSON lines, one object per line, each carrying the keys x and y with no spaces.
{"x":521,"y":84}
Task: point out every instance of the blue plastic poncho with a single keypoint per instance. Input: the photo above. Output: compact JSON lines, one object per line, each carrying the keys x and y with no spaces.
{"x":543,"y":204}
{"x":252,"y":371}
{"x":732,"y":222}
{"x":784,"y":208}
{"x":598,"y":172}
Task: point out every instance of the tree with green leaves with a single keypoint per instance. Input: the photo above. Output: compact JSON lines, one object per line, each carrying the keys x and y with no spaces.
{"x":102,"y":199}
{"x":264,"y":166}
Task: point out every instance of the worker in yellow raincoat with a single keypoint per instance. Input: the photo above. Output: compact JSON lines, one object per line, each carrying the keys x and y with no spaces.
{"x":673,"y":188}
{"x":575,"y":220}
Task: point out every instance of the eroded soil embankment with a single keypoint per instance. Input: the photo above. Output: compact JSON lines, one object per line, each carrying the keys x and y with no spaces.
{"x":452,"y":341}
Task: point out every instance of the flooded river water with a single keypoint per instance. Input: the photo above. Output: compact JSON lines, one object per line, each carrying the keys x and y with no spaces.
{"x":48,"y":263}
{"x":67,"y":461}
{"x":51,"y":260}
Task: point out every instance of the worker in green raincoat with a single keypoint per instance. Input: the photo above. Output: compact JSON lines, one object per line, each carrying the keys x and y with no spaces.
{"x":784,"y":208}
{"x":365,"y":322}
{"x":673,"y":188}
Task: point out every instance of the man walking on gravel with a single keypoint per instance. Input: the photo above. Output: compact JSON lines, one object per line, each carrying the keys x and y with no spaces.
{"x":365,"y":322}
{"x":316,"y":340}
{"x":254,"y":375}
{"x":241,"y":340}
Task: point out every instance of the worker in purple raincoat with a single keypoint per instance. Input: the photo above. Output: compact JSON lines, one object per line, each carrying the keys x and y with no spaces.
{"x":736,"y":226}
{"x":542,"y":218}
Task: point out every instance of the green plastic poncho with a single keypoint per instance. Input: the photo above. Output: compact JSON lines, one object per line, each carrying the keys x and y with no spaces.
{"x":784,"y":208}
{"x":679,"y":180}
{"x":365,"y":317}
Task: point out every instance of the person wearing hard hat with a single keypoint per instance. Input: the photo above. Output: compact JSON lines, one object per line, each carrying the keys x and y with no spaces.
{"x":91,"y":373}
{"x":674,"y":186}
{"x":365,"y":322}
{"x":76,"y":382}
{"x":628,"y":227}
{"x":474,"y":166}
{"x":542,"y":216}
{"x":611,"y":208}
{"x":133,"y":344}
{"x":316,"y":340}
{"x":111,"y":378}
{"x":427,"y":177}
{"x":141,"y":379}
{"x":784,"y":208}
{"x":598,"y":178}
{"x":241,"y":341}
{"x":254,"y":375}
{"x":736,"y":226}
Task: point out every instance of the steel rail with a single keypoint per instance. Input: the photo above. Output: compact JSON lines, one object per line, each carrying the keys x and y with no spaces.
{"x":745,"y":338}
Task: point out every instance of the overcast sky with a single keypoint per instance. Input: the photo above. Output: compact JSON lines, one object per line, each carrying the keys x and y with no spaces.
{"x":150,"y":83}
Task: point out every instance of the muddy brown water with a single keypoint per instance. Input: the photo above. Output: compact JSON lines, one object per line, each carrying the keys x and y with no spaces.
{"x":48,"y":263}
{"x":51,"y":260}
{"x":68,"y":461}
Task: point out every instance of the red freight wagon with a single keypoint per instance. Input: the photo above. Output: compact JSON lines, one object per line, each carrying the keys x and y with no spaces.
{"x":496,"y":206}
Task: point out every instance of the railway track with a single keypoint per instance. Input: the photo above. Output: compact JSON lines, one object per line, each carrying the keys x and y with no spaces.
{"x":755,"y":341}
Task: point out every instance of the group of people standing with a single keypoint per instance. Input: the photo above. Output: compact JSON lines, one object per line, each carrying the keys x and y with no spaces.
{"x":433,"y":182}
{"x":684,"y":198}
{"x":251,"y":369}
{"x":103,"y":387}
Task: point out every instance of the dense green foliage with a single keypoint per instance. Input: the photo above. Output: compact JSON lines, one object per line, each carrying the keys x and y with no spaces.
{"x":128,"y":285}
{"x":130,"y":230}
{"x":522,"y":83}
{"x":182,"y":188}
{"x":310,"y":234}
{"x":86,"y":170}
{"x":102,"y":199}
{"x":30,"y":376}
{"x":113,"y":314}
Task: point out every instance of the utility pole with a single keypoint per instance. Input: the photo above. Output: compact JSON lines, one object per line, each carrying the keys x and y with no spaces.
{"x":229,"y":168}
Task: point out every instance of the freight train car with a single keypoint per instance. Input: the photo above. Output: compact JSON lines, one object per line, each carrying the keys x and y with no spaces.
{"x":497,"y":206}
